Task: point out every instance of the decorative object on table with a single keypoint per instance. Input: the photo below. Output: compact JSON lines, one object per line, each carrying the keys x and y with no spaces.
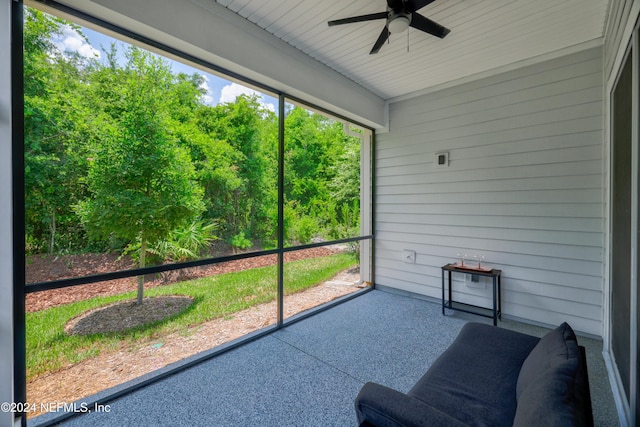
{"x":462,"y":256}
{"x":477,"y":263}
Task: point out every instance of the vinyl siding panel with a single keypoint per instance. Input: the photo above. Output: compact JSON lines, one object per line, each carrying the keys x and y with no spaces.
{"x":523,"y":187}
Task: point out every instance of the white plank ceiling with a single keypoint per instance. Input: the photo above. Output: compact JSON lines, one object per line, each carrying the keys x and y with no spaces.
{"x":485,"y":35}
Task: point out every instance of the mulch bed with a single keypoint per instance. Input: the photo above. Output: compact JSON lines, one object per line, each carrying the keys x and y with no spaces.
{"x":125,"y":315}
{"x":42,"y":268}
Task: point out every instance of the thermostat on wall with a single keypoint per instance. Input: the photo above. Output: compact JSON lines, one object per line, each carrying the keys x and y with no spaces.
{"x":441,"y":160}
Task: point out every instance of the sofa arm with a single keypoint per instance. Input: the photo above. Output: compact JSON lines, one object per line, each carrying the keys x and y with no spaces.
{"x":380,"y":406}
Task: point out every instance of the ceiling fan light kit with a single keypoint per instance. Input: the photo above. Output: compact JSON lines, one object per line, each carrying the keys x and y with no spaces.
{"x":400,"y":15}
{"x":399,"y":22}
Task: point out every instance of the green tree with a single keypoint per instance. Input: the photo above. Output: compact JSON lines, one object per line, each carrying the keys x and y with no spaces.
{"x":133,"y":147}
{"x":141,"y":181}
{"x":345,"y":182}
{"x":54,"y":130}
{"x":234,"y":168}
{"x":322,"y":174}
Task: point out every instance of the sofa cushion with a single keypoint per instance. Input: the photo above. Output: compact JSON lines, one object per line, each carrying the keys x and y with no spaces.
{"x":475,"y":378}
{"x":380,"y":406}
{"x":548,"y":401}
{"x":553,"y":351}
{"x":547,"y":389}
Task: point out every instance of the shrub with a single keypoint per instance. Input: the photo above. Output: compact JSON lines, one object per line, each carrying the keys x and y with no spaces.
{"x":240,"y":242}
{"x":303,"y":229}
{"x":186,"y":243}
{"x":183,"y":244}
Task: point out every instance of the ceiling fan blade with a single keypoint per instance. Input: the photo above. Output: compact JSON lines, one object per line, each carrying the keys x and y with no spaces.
{"x":414,"y":5}
{"x":361,"y":18}
{"x":384,"y":35}
{"x":428,"y":26}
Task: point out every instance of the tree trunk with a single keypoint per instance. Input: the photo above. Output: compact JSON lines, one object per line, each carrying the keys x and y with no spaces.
{"x":52,"y":229}
{"x":143,"y":254}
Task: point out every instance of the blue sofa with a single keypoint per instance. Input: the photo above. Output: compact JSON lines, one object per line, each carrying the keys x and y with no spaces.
{"x":491,"y":376}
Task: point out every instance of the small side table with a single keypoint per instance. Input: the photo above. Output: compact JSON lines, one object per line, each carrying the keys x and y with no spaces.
{"x":495,"y":313}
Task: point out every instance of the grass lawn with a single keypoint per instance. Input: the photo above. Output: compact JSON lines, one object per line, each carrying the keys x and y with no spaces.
{"x":49,"y":348}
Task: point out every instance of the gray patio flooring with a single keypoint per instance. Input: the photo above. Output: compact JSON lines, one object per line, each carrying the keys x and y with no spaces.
{"x":309,"y":373}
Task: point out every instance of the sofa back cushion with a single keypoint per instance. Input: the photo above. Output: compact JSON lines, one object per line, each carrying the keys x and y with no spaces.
{"x":547,"y":390}
{"x":554,"y":350}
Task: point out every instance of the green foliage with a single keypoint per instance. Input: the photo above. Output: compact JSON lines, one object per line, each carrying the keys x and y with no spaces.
{"x":141,"y":181}
{"x":322,"y":174}
{"x":53,"y":134}
{"x":304,"y":229}
{"x":123,"y":153}
{"x":240,"y":192}
{"x":344,"y":220}
{"x":183,"y":244}
{"x":344,"y":223}
{"x":240,"y":242}
{"x":345,"y":184}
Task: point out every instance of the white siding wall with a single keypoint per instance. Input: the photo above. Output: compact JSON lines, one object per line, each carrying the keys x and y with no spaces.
{"x":523,"y":188}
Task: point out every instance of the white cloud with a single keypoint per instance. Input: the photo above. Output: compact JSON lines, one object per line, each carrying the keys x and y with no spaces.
{"x":230,"y":92}
{"x":206,"y":97}
{"x":71,"y":41}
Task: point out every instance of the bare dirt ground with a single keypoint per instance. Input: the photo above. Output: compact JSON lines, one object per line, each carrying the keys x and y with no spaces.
{"x":112,"y":368}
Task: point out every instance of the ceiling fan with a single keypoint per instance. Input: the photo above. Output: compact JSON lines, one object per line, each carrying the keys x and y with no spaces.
{"x":400,"y":15}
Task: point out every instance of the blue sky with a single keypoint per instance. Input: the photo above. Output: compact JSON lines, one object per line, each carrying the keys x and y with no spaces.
{"x":218,"y":89}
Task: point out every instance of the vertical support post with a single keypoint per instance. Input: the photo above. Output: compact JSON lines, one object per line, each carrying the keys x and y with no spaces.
{"x":281,"y":120}
{"x":366,"y":219}
{"x":12,"y":350}
{"x":635,"y":177}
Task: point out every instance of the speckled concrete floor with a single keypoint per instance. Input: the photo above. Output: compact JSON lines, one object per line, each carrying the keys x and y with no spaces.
{"x":309,"y":373}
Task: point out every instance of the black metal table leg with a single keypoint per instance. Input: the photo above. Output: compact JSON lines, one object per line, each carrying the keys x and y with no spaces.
{"x":495,"y":305}
{"x":450,"y":286}
{"x":500,"y":297}
{"x":443,"y":292}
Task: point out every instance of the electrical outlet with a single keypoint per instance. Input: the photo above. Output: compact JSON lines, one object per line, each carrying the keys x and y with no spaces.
{"x":409,"y":256}
{"x":475,"y":281}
